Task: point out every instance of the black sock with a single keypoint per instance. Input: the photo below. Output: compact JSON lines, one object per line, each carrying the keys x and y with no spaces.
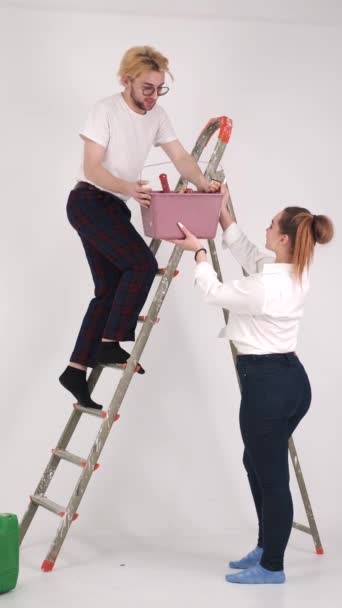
{"x":110,"y":353}
{"x":75,"y":381}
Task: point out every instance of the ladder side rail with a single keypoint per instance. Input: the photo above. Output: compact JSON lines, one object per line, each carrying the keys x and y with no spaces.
{"x":305,"y":498}
{"x":49,"y":471}
{"x":225,"y":125}
{"x":113,"y":407}
{"x":293,"y":452}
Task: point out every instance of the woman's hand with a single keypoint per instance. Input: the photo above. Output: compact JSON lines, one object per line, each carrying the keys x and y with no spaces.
{"x":190,"y":242}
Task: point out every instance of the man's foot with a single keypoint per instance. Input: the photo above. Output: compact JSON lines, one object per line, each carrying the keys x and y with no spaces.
{"x":251,"y":559}
{"x":111,"y":353}
{"x":75,"y":381}
{"x":257,"y":575}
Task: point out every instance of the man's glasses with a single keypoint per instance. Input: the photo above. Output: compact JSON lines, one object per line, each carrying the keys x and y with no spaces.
{"x":148,"y":90}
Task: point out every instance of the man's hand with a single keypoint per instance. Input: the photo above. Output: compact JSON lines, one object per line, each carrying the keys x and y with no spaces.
{"x":215,"y":186}
{"x":140,"y":191}
{"x":206,"y":186}
{"x":188,"y":167}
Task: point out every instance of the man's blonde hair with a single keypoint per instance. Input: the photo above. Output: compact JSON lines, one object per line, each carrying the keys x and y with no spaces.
{"x":139,"y":59}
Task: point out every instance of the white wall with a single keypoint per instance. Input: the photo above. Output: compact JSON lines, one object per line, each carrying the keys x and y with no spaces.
{"x":172,"y":464}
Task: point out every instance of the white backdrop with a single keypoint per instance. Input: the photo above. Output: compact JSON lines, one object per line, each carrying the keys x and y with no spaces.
{"x":172,"y":464}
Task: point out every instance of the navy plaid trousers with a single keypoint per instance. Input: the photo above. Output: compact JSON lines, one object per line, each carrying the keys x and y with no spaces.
{"x":122,"y":266}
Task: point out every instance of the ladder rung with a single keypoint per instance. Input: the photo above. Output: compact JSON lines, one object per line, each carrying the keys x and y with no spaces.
{"x":90,"y":410}
{"x":143,"y":318}
{"x":163,"y":271}
{"x":48,"y":504}
{"x":65,"y":455}
{"x":302,"y":528}
{"x":117,"y":366}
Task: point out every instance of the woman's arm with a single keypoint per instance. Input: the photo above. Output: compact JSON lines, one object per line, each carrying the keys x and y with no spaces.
{"x":246,"y":253}
{"x":245,"y":296}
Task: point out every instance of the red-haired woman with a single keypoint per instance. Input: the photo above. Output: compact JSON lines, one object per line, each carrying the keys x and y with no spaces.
{"x":265,"y":312}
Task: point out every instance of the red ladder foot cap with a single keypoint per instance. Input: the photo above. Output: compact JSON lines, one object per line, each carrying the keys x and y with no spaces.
{"x":47,"y":565}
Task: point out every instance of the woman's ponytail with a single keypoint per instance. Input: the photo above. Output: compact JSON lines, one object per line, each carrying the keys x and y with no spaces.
{"x":304,"y":230}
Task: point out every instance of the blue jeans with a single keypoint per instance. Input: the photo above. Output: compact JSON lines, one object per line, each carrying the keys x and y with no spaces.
{"x":275,"y":395}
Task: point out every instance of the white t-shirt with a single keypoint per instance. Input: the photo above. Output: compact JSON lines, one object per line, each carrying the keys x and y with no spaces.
{"x":126,"y":135}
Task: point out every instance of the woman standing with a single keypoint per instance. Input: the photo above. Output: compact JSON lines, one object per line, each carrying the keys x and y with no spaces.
{"x":265,"y":312}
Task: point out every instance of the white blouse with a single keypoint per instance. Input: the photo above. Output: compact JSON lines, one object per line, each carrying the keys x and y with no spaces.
{"x":265,"y":307}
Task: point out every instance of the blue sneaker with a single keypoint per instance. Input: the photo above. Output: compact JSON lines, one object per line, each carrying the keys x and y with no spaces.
{"x":257,"y":575}
{"x":251,"y":559}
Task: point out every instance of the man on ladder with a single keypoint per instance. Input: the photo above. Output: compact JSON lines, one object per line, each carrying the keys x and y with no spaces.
{"x":118,"y":135}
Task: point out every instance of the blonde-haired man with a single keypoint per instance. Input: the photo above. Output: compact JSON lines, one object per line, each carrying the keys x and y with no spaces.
{"x":118,"y":135}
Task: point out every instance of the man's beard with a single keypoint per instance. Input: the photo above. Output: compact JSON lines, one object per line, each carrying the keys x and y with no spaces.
{"x":139,"y":104}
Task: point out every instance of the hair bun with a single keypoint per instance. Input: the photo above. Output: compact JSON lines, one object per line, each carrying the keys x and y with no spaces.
{"x":323,"y":229}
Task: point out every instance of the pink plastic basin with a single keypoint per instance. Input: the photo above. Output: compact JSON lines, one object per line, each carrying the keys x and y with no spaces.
{"x":198,"y":211}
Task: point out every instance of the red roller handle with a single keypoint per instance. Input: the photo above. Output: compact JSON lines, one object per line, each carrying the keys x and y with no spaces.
{"x":164,"y":182}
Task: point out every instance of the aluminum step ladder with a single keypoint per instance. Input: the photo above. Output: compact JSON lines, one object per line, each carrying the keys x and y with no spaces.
{"x":68,"y":513}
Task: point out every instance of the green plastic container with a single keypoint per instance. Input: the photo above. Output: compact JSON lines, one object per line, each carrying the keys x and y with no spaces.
{"x":9,"y":551}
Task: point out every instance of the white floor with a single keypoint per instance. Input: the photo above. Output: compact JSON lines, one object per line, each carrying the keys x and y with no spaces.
{"x":134,"y":573}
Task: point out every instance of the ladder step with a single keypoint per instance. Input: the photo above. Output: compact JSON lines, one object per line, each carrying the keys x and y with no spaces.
{"x":90,"y":410}
{"x":65,"y":455}
{"x":48,"y":504}
{"x":93,"y":412}
{"x":163,"y":271}
{"x":143,"y":318}
{"x":117,"y":366}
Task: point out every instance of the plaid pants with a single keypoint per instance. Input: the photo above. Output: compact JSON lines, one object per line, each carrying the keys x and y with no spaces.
{"x":122,"y":266}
